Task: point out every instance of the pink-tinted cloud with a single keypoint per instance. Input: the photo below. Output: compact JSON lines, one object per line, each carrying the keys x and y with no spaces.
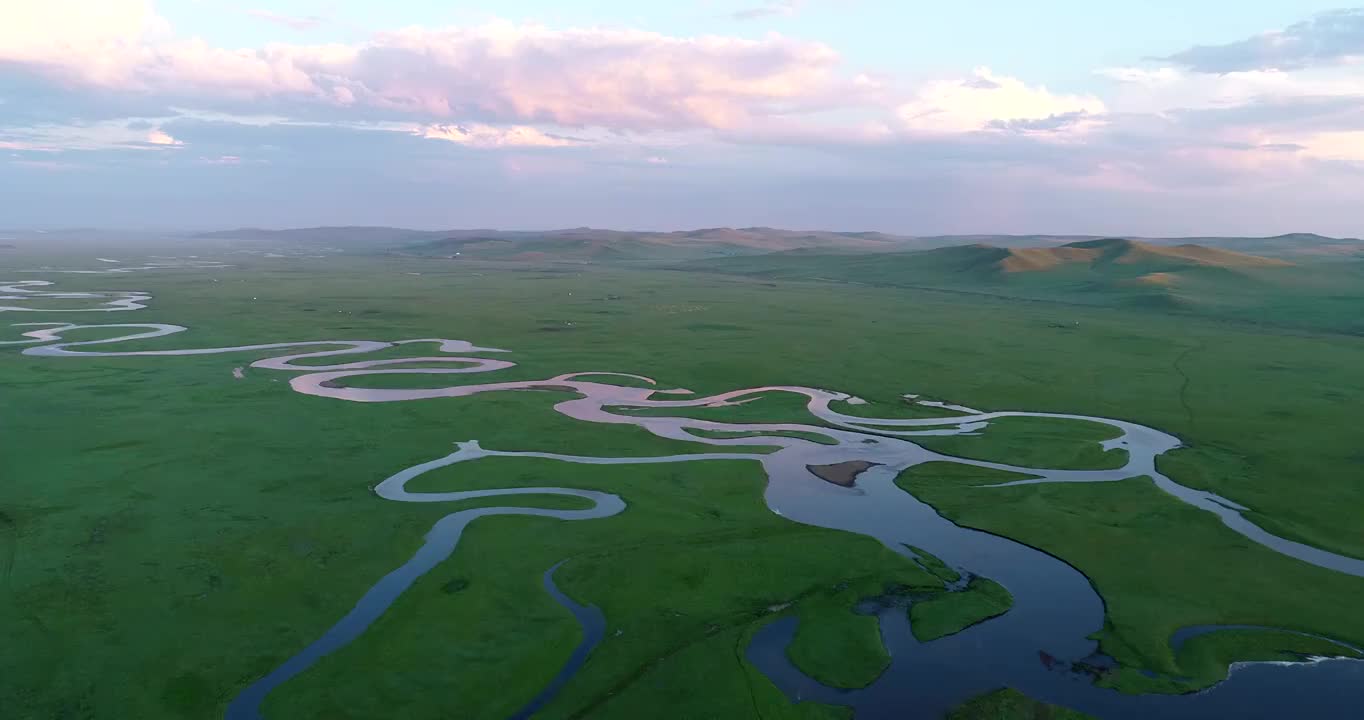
{"x":160,"y":137}
{"x":528,"y":90}
{"x":487,"y":136}
{"x":79,"y":42}
{"x":25,"y":146}
{"x":498,"y":72}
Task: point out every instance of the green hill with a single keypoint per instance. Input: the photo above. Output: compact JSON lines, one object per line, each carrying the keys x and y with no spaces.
{"x":598,"y":245}
{"x":1115,"y":272}
{"x":1112,"y":259}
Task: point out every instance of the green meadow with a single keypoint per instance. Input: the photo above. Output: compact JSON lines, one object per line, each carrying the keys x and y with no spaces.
{"x":169,"y":533}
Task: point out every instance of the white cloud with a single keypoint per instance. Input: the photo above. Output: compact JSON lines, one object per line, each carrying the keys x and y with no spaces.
{"x":488,"y":136}
{"x":161,"y":137}
{"x":1137,"y":89}
{"x":987,"y":100}
{"x":142,"y":134}
{"x":1345,"y":146}
{"x":78,"y":40}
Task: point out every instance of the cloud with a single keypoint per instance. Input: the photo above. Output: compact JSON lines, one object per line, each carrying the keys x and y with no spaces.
{"x":1162,"y":182}
{"x":589,"y":112}
{"x":1345,"y":146}
{"x":1312,"y":110}
{"x":1331,"y":38}
{"x":72,"y":40}
{"x":487,"y":136}
{"x":160,"y":137}
{"x":981,"y":82}
{"x":990,"y":101}
{"x":769,"y":8}
{"x":1073,"y":121}
{"x":499,"y":72}
{"x":300,"y":23}
{"x":1166,"y":131}
{"x":136,"y":134}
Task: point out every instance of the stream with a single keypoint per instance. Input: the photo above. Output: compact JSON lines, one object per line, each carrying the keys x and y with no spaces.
{"x":1036,"y":647}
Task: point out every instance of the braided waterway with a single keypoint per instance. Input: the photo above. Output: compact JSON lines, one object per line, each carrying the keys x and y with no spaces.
{"x":1035,"y":647}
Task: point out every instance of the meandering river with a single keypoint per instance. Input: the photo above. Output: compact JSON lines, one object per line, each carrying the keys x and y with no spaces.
{"x":1033,"y":647}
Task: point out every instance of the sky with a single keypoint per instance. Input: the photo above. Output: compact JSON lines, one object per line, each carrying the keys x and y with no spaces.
{"x":1160,"y":117}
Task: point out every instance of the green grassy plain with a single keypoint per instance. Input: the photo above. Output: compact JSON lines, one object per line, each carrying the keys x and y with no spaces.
{"x":950,"y":613}
{"x":728,"y":435}
{"x":1206,"y":657}
{"x":1178,"y":567}
{"x":1034,"y":442}
{"x":1317,"y":295}
{"x":172,"y":533}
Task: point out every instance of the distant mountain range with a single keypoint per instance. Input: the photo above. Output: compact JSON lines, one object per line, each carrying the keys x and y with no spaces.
{"x":597,"y":245}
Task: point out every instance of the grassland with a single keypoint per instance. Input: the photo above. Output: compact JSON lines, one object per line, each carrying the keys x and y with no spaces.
{"x":1317,"y":294}
{"x":174,"y":532}
{"x":1159,"y":564}
{"x":728,"y":435}
{"x":772,"y":406}
{"x":1035,"y":442}
{"x":949,"y":613}
{"x":1206,"y":657}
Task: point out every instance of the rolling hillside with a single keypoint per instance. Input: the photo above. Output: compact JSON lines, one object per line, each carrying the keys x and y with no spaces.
{"x":599,"y":245}
{"x":1299,"y":280}
{"x":575,"y":244}
{"x":1117,"y":272}
{"x":1292,"y":246}
{"x":1112,"y":259}
{"x":1097,"y":254}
